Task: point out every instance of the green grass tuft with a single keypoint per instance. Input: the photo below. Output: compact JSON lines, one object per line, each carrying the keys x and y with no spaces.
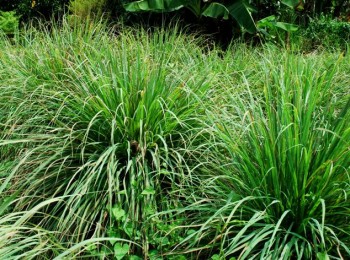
{"x":131,"y":143}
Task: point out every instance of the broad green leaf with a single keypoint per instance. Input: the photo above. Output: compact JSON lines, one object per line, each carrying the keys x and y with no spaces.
{"x":120,"y":250}
{"x":239,"y":9}
{"x":267,"y":19}
{"x":149,"y":210}
{"x":322,"y":256}
{"x":157,"y":5}
{"x":154,"y":255}
{"x":216,"y":10}
{"x":162,"y":241}
{"x":137,"y":6}
{"x":287,"y":26}
{"x":128,"y":229}
{"x":240,"y":12}
{"x":112,"y":232}
{"x":271,"y":22}
{"x":167,"y":5}
{"x":267,"y":22}
{"x":291,"y":3}
{"x":154,"y":5}
{"x":118,"y":212}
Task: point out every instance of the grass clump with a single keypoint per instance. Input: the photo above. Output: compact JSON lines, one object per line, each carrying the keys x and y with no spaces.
{"x":281,"y":187}
{"x":102,"y":124}
{"x":138,"y":144}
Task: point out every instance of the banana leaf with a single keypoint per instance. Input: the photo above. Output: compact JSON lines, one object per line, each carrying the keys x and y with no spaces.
{"x":154,"y":5}
{"x":239,"y":10}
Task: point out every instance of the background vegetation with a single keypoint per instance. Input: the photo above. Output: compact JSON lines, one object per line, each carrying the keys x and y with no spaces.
{"x":253,"y":19}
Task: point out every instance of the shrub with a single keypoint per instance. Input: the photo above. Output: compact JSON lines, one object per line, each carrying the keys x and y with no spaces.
{"x":8,"y":22}
{"x":328,"y":33}
{"x":30,"y":8}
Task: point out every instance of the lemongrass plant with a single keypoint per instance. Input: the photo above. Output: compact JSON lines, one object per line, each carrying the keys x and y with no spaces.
{"x":102,"y":123}
{"x":131,"y":143}
{"x":281,"y":188}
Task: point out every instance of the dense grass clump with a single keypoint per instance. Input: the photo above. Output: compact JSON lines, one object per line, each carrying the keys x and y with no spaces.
{"x":136,"y":144}
{"x":103,"y":124}
{"x":281,"y":185}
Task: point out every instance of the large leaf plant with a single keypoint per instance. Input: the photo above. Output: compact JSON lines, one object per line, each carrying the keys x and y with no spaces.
{"x":239,"y":10}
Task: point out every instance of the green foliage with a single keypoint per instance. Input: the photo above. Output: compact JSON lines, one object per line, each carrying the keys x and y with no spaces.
{"x":291,"y":3}
{"x":275,"y":31}
{"x":30,"y":8}
{"x":304,"y":8}
{"x":144,"y":145}
{"x":335,"y":8}
{"x":327,"y":32}
{"x":281,"y":187}
{"x":8,"y":22}
{"x":18,"y":239}
{"x":239,"y":10}
{"x":87,"y":8}
{"x":105,"y":126}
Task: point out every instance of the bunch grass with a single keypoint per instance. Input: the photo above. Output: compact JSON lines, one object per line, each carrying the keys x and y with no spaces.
{"x":280,"y":188}
{"x":130,"y":143}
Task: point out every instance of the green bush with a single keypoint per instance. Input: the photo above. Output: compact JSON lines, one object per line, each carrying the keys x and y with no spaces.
{"x":327,"y":32}
{"x":8,"y":22}
{"x":34,"y":8}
